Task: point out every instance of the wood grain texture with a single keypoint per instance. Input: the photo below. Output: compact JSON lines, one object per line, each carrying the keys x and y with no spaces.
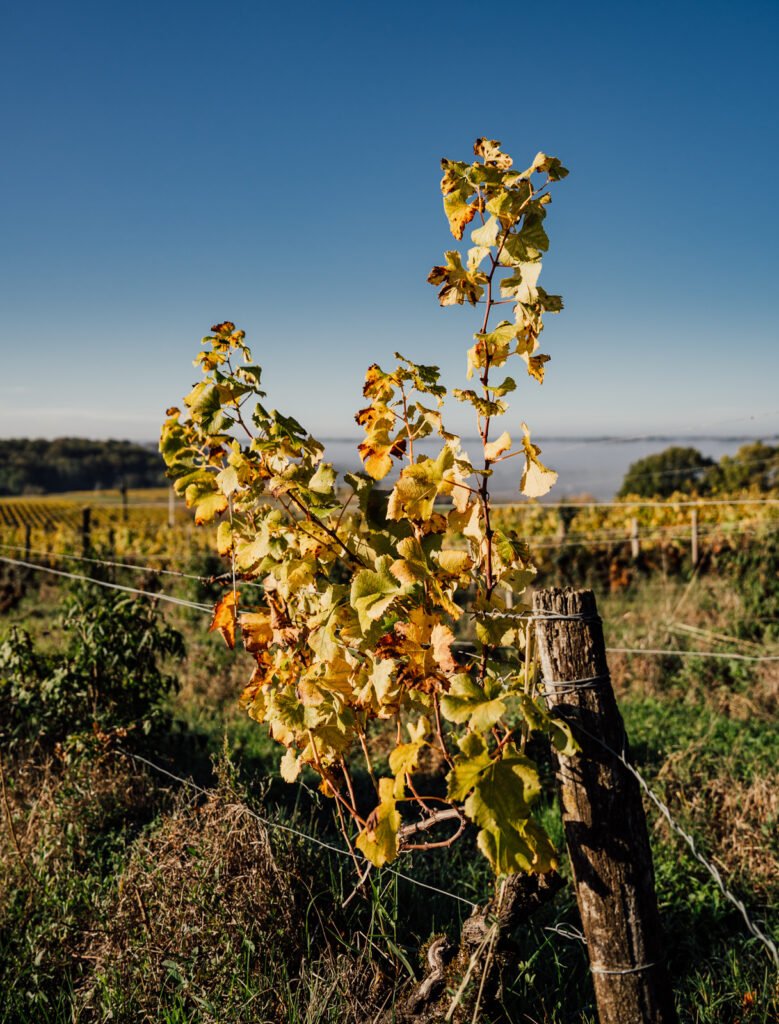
{"x":604,"y":821}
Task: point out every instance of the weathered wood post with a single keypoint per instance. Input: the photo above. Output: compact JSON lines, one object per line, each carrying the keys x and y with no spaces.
{"x":635,"y":547}
{"x":562,"y":527}
{"x":86,"y":521}
{"x":27,"y":541}
{"x":171,"y":508}
{"x":694,"y":537}
{"x":603,"y":817}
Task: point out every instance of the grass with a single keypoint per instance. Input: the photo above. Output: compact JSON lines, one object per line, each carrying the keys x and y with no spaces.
{"x":159,"y":903}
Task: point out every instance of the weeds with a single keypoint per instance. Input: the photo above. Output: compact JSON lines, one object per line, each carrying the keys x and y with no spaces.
{"x":156,"y":904}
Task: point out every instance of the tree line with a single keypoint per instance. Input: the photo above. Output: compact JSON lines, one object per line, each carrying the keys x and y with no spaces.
{"x":37,"y":466}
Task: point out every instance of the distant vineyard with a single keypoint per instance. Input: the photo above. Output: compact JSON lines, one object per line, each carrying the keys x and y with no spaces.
{"x":35,"y":514}
{"x":653,"y":522}
{"x":147,"y":524}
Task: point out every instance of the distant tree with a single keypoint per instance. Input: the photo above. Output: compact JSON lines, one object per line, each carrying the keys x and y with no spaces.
{"x":660,"y":475}
{"x":755,"y":465}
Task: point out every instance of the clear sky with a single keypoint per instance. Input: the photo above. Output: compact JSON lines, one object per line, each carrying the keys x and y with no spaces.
{"x":167,"y":165}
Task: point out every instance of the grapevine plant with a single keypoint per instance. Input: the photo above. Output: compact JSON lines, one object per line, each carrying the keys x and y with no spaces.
{"x":356,"y":593}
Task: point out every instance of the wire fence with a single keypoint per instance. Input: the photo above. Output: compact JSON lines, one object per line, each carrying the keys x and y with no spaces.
{"x":754,"y":929}
{"x":290,"y":830}
{"x":153,"y":594}
{"x":156,"y":595}
{"x":711,"y":868}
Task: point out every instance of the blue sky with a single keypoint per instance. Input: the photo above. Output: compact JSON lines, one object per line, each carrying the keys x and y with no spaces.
{"x":169,"y":165}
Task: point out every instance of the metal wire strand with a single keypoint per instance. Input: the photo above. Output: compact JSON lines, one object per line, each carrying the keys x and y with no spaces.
{"x":294,"y":831}
{"x":600,"y":969}
{"x":690,"y":842}
{"x":560,"y":686}
{"x":111,"y":586}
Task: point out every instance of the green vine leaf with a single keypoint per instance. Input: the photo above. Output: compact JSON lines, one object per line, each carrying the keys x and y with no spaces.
{"x":480,"y":707}
{"x":413,"y":496}
{"x":469,"y":766}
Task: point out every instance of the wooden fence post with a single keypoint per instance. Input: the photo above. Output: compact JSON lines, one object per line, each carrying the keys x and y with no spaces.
{"x":86,"y":516}
{"x":171,"y":508}
{"x":635,"y":547}
{"x":27,"y":541}
{"x":603,"y":817}
{"x":694,"y":538}
{"x":562,"y":528}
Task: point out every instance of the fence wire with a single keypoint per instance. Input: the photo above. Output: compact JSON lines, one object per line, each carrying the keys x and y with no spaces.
{"x":278,"y":826}
{"x":711,"y":868}
{"x":157,"y":596}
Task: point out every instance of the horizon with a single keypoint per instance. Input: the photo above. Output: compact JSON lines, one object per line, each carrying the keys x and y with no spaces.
{"x":595,"y":438}
{"x":586,"y":466}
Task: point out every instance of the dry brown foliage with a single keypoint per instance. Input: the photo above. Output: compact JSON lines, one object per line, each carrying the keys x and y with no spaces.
{"x":739,"y":820}
{"x":207,"y":896}
{"x":199,"y":908}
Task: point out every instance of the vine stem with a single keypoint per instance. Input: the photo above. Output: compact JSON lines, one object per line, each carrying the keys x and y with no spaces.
{"x":490,"y":952}
{"x":348,"y":777}
{"x":484,"y":493}
{"x":330,"y":533}
{"x":409,"y":433}
{"x":440,"y":731}
{"x":485,"y":436}
{"x":434,"y":818}
{"x":366,"y":754}
{"x":339,"y":798}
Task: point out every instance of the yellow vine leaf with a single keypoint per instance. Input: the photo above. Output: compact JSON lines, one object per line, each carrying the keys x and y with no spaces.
{"x":225,"y":618}
{"x":459,"y":211}
{"x":224,"y":538}
{"x":378,"y":842}
{"x":489,"y":151}
{"x":496,"y":448}
{"x":454,"y":562}
{"x":209,"y":507}
{"x":257,"y":631}
{"x":537,"y":480}
{"x":536,"y":365}
{"x":289,"y":768}
{"x":413,"y":496}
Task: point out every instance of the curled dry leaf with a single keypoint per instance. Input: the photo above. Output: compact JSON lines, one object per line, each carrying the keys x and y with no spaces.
{"x":225,"y":618}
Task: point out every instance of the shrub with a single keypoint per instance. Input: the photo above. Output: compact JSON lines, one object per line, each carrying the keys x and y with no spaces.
{"x":109,"y":677}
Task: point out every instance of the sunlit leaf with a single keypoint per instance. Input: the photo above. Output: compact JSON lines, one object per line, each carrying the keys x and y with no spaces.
{"x":373,"y":592}
{"x":496,"y":448}
{"x":468,"y":702}
{"x":537,"y":480}
{"x":225,"y":618}
{"x":210,"y":507}
{"x":379,"y":840}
